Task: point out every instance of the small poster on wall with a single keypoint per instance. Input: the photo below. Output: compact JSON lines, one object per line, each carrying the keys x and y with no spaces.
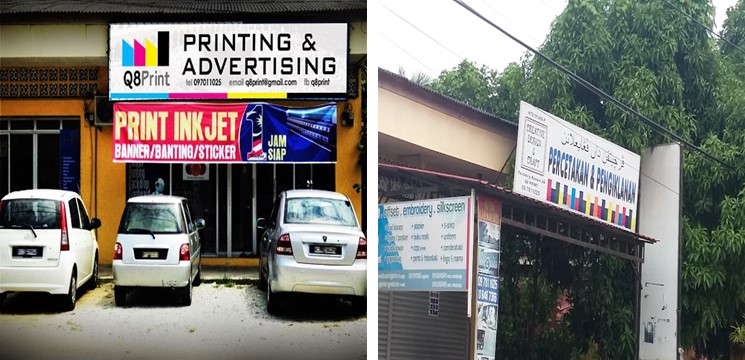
{"x":196,"y":172}
{"x":147,"y":179}
{"x":69,"y":159}
{"x":487,"y":285}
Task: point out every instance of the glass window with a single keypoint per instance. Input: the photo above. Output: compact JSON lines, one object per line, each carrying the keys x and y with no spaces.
{"x":22,"y":125}
{"x":40,"y":214}
{"x":4,"y":176}
{"x":85,"y":222}
{"x":70,"y":124}
{"x":148,"y":218}
{"x":319,"y":211}
{"x":48,"y":124}
{"x":275,"y":212}
{"x":74,"y":215}
{"x":48,"y":162}
{"x":187,"y":216}
{"x":21,"y":148}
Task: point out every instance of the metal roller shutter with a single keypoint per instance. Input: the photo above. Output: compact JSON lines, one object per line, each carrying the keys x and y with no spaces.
{"x":407,"y":331}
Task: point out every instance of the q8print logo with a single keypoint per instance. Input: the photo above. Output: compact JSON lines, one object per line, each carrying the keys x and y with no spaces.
{"x":137,"y":55}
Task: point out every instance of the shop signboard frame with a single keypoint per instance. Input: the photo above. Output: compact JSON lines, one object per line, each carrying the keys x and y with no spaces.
{"x":228,"y":61}
{"x":568,"y":167}
{"x":223,"y":133}
{"x":426,"y":245}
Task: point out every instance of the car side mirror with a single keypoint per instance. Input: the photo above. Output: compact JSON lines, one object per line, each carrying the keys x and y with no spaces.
{"x":261,"y":223}
{"x":200,"y":224}
{"x":95,"y":224}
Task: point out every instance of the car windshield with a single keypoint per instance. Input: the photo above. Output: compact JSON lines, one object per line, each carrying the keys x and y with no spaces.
{"x":151,"y":218}
{"x":38,"y":213}
{"x":319,"y":211}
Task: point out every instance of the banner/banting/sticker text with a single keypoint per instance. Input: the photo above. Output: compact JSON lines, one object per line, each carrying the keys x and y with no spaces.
{"x":223,"y":133}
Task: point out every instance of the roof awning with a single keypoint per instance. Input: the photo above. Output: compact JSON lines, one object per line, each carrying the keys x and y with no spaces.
{"x":521,"y":212}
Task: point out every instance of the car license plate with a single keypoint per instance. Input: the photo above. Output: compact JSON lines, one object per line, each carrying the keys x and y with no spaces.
{"x":27,"y":251}
{"x":325,"y":250}
{"x":149,"y":254}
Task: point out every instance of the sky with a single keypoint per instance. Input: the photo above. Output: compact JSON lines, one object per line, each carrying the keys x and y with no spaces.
{"x":447,"y":33}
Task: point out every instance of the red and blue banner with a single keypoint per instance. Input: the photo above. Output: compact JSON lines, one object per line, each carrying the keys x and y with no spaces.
{"x":223,"y":133}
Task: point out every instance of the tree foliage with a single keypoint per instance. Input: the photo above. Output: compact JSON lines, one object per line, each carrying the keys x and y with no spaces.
{"x":650,"y":55}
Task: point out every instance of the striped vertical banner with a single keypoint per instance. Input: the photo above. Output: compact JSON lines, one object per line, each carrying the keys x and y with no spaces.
{"x":566,"y":195}
{"x":573,"y":201}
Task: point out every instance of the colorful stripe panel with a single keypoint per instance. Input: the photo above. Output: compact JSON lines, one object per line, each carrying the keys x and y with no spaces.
{"x":128,"y":54}
{"x":139,"y":54}
{"x":151,"y":54}
{"x":607,"y":211}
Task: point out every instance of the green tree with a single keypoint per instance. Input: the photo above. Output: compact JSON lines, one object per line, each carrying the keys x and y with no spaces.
{"x":468,"y":83}
{"x":714,"y":204}
{"x":652,"y":56}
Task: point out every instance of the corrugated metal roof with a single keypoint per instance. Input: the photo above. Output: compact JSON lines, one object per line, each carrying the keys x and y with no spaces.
{"x":177,"y":6}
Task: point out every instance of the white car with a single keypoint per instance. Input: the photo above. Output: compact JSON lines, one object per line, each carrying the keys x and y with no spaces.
{"x":312,"y":243}
{"x":47,"y":244}
{"x":158,"y":245}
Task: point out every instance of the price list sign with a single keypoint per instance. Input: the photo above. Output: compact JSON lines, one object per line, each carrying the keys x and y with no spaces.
{"x":425,"y":245}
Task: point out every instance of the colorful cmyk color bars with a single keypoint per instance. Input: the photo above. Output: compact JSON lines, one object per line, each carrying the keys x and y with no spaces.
{"x":563,"y":196}
{"x":147,"y":55}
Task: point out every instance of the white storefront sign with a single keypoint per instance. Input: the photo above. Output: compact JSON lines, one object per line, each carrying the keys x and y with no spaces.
{"x":425,"y":245}
{"x":227,"y":61}
{"x":566,"y":166}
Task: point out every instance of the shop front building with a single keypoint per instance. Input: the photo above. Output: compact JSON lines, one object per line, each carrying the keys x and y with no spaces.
{"x":60,"y":93}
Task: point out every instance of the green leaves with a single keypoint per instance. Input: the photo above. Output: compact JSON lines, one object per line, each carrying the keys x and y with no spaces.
{"x":651,"y":56}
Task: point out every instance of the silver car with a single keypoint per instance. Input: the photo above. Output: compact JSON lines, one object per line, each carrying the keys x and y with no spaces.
{"x":312,"y":243}
{"x":157,"y":245}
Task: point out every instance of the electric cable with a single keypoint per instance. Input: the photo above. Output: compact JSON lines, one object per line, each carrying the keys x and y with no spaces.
{"x":407,"y":53}
{"x":420,"y":30}
{"x":597,"y":91}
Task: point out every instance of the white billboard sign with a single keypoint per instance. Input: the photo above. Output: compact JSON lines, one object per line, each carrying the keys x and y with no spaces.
{"x":566,"y":166}
{"x":227,"y":61}
{"x":425,"y":245}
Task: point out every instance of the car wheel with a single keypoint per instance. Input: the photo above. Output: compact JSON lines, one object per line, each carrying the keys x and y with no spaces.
{"x":186,"y":295}
{"x":2,"y":300}
{"x":120,"y":295}
{"x":68,"y":300}
{"x":93,"y":281}
{"x":198,"y":278}
{"x":273,"y":300}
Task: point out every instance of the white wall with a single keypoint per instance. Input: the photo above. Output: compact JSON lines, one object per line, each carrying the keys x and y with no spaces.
{"x":64,"y":44}
{"x":660,"y":217}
